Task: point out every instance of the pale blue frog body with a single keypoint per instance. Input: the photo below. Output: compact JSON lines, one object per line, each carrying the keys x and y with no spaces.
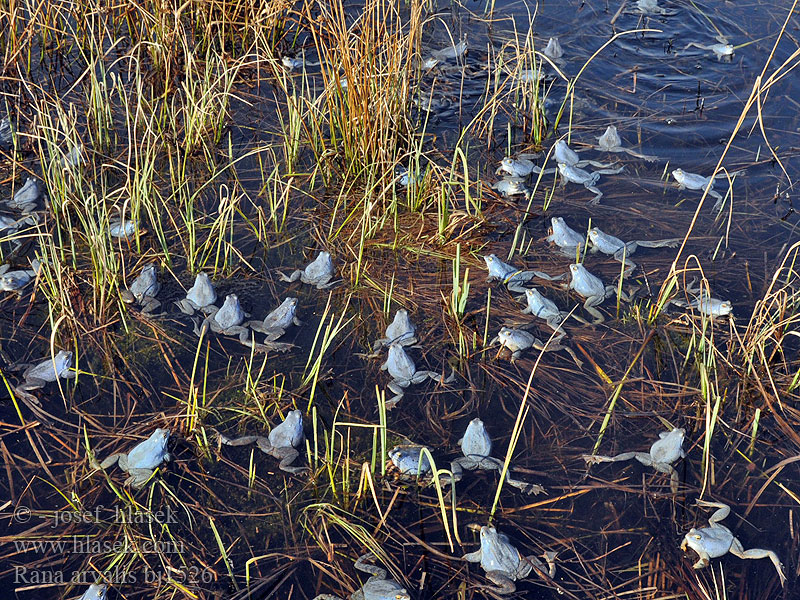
{"x":143,"y":290}
{"x":318,"y":273}
{"x":476,"y":447}
{"x":717,"y":540}
{"x":143,"y":460}
{"x":282,"y":442}
{"x":503,"y":563}
{"x":201,"y":296}
{"x":47,"y":371}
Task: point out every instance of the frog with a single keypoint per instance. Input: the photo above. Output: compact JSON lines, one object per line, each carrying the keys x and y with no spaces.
{"x":143,"y":290}
{"x":281,"y":443}
{"x":504,"y":564}
{"x":400,"y":331}
{"x":703,"y":302}
{"x":667,"y":449}
{"x":512,"y":277}
{"x":275,"y":323}
{"x":476,"y":446}
{"x":554,"y":51}
{"x":439,"y":107}
{"x":651,"y":8}
{"x":693,"y":181}
{"x":404,"y":178}
{"x":565,"y":155}
{"x":524,"y":76}
{"x":569,"y":242}
{"x":404,"y":373}
{"x":512,"y":186}
{"x":707,"y":306}
{"x":96,"y":591}
{"x":515,"y":167}
{"x":318,"y":273}
{"x":588,"y":180}
{"x":6,"y":133}
{"x":518,"y":340}
{"x":722,"y":50}
{"x":290,"y":63}
{"x":26,"y":197}
{"x":592,"y":289}
{"x":230,"y":320}
{"x":717,"y":540}
{"x":124,"y":229}
{"x":410,"y":460}
{"x":611,"y":142}
{"x":544,"y":308}
{"x":9,"y":226}
{"x":613,"y":246}
{"x":377,"y":587}
{"x":455,"y":50}
{"x":47,"y":371}
{"x":201,"y":296}
{"x":226,"y":320}
{"x":141,"y":462}
{"x":14,"y":281}
{"x":429,"y":63}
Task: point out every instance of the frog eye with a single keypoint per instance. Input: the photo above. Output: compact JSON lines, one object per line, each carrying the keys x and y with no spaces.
{"x":697,"y":536}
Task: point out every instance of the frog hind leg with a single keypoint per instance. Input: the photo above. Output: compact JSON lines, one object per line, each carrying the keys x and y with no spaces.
{"x":325,"y":285}
{"x":589,"y":307}
{"x":291,"y":278}
{"x":505,"y":585}
{"x":439,"y":378}
{"x":546,"y":277}
{"x":150,"y":305}
{"x":137,"y":478}
{"x":287,"y":456}
{"x":456,"y":470}
{"x":185,"y":306}
{"x":718,"y":197}
{"x":623,"y":256}
{"x":555,"y":324}
{"x":555,"y":346}
{"x":593,"y":459}
{"x":515,"y":285}
{"x":524,"y":486}
{"x":737,"y":550}
{"x":374,"y":570}
{"x":240,"y":441}
{"x":473,"y":556}
{"x":597,"y":193}
{"x":201,"y":329}
{"x":723,"y":510}
{"x":550,"y":570}
{"x":396,"y":388}
{"x":22,"y":391}
{"x":667,"y":468}
{"x":599,"y":165}
{"x":110,"y":461}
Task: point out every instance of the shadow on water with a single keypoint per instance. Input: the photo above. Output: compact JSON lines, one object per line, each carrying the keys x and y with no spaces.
{"x":222,"y":522}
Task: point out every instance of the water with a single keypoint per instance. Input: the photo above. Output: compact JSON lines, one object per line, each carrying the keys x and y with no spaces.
{"x":616,"y":527}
